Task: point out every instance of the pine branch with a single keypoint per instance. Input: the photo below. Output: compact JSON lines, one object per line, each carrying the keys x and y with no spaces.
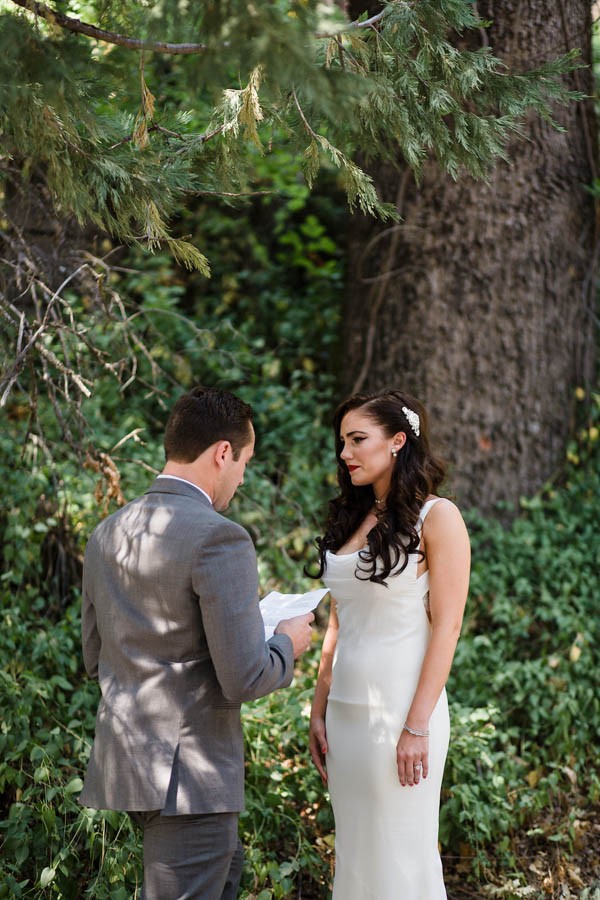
{"x":155,"y":127}
{"x":391,"y":86}
{"x":108,"y":37}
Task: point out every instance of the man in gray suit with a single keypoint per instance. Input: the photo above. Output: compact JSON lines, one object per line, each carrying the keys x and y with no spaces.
{"x":172,"y":629}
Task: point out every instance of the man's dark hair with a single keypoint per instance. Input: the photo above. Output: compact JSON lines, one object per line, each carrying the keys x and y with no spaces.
{"x":203,"y":417}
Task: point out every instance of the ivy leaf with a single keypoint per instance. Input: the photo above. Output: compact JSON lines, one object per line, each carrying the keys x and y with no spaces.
{"x":47,"y":876}
{"x":74,"y":786}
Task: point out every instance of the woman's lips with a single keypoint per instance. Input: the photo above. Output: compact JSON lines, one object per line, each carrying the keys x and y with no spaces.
{"x":352,"y":468}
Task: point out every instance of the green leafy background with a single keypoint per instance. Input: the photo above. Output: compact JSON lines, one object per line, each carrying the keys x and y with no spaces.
{"x":522,"y":788}
{"x":521,"y":782}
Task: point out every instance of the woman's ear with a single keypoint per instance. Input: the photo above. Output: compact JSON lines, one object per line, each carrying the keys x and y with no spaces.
{"x":398,"y":441}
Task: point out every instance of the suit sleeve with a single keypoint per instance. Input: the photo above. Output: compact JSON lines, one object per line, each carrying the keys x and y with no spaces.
{"x":90,"y":638}
{"x":225,"y":580}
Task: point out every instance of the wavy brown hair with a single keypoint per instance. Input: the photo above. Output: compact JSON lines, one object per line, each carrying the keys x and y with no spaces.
{"x":416,"y":474}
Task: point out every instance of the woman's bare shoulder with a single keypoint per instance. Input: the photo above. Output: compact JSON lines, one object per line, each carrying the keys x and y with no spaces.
{"x":444,"y":513}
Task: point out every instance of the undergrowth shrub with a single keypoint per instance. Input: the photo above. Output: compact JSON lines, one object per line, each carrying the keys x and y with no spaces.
{"x":52,"y":847}
{"x":523,"y":696}
{"x":287,"y":827}
{"x":524,"y":684}
{"x":523,"y":690}
{"x":266,"y":332}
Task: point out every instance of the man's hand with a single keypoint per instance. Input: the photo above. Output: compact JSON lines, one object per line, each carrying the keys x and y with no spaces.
{"x":299,"y":631}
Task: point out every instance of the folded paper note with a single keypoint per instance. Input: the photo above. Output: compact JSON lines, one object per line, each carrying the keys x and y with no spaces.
{"x":276,"y":606}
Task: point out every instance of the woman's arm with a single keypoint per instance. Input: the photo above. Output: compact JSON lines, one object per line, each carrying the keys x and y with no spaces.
{"x":448,"y":554}
{"x":318,"y":735}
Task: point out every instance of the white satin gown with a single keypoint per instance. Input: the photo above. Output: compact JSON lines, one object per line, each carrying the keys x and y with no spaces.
{"x":386,"y":841}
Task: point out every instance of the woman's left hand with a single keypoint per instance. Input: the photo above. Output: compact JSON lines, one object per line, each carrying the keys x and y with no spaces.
{"x":412,"y":758}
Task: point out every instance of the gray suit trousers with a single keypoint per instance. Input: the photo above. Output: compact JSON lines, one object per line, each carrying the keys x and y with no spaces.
{"x":191,"y":857}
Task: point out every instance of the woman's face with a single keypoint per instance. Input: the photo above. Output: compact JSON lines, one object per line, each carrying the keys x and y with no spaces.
{"x":367,"y":451}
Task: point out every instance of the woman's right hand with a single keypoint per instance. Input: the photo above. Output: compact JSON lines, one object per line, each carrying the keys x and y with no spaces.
{"x":317,"y":743}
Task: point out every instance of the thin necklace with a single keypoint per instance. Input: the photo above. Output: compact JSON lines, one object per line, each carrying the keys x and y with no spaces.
{"x":380,"y":503}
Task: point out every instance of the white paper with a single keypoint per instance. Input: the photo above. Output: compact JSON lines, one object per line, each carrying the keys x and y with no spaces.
{"x":276,"y":606}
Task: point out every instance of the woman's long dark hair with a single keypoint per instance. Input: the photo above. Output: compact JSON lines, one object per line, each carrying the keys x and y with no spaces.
{"x":416,"y":474}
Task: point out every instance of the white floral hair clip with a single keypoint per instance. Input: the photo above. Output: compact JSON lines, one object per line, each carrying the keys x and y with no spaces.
{"x":413,"y":419}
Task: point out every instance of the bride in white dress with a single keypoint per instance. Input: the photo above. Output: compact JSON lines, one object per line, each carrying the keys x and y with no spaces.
{"x":396,"y":559}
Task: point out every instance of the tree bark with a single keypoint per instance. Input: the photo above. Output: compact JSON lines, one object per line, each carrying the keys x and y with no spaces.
{"x":481,"y":302}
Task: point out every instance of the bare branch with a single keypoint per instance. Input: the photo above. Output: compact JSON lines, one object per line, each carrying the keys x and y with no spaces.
{"x":9,"y":378}
{"x":154,"y":127}
{"x":64,"y":370}
{"x":108,"y":37}
{"x":368,"y":23}
{"x":196,"y":138}
{"x":135,"y":434}
{"x":232,"y":193}
{"x":312,"y":133}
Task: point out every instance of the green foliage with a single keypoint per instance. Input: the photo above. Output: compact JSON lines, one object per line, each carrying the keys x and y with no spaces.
{"x":271,"y":328}
{"x":84,"y":120}
{"x":149,"y":148}
{"x":527,"y":668}
{"x":266,"y":324}
{"x":51,"y":846}
{"x":525,"y":712}
{"x":287,"y":825}
{"x":54,"y":126}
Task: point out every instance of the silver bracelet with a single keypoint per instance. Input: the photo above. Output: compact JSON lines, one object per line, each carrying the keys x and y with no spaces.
{"x":415,"y":732}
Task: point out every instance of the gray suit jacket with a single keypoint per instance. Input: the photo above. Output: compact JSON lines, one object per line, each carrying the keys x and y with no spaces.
{"x":172,"y":629}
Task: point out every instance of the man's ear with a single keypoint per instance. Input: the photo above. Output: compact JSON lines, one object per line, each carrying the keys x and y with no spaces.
{"x":222,"y":450}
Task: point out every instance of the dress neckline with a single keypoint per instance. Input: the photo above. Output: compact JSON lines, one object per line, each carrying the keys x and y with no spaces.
{"x":330,"y":553}
{"x":356,"y":552}
{"x":342,"y":555}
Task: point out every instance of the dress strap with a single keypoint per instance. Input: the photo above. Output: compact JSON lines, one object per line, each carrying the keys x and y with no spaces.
{"x":425,"y":509}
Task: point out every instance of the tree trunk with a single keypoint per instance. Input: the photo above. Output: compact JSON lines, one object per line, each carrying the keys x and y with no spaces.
{"x":481,"y":302}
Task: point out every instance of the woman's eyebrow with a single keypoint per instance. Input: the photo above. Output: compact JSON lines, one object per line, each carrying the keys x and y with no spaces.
{"x":352,"y":433}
